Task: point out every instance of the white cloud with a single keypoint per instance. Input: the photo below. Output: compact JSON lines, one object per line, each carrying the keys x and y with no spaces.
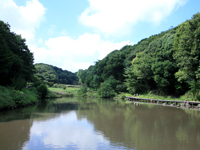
{"x":66,"y":52}
{"x":23,"y":19}
{"x":116,"y":17}
{"x":85,"y":45}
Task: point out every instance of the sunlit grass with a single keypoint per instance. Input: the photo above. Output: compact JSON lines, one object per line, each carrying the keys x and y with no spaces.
{"x":154,"y":96}
{"x":151,"y":95}
{"x":72,"y":90}
{"x":92,"y":93}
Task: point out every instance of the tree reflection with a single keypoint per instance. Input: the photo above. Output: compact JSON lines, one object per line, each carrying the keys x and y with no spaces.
{"x":145,"y":126}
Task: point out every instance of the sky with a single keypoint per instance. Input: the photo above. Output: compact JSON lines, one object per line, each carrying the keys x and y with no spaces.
{"x":74,"y":34}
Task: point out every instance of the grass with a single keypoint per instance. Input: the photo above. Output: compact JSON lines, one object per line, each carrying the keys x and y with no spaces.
{"x":154,"y":96}
{"x":51,"y":94}
{"x":71,"y":91}
{"x":92,"y":93}
{"x":151,"y":95}
{"x":65,"y":92}
{"x":187,"y":96}
{"x":11,"y":99}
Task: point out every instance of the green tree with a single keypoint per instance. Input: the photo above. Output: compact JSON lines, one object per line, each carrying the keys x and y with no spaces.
{"x":42,"y":90}
{"x":15,"y":57}
{"x":112,"y":81}
{"x":82,"y":76}
{"x":6,"y":61}
{"x":106,"y":90}
{"x":187,"y":52}
{"x":96,"y":82}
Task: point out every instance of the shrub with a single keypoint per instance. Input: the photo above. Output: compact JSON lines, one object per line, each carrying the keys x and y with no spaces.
{"x":6,"y":101}
{"x":10,"y":98}
{"x":123,"y":97}
{"x":18,"y":83}
{"x":24,"y":97}
{"x":42,"y":90}
{"x":106,"y":90}
{"x":82,"y":92}
{"x":121,"y":88}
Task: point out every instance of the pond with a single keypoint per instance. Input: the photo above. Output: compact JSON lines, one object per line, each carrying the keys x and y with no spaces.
{"x":99,"y":124}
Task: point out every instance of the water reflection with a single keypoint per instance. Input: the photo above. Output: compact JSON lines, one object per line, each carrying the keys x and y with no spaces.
{"x":146,"y":126}
{"x":100,"y":125}
{"x":65,"y":132}
{"x":14,"y":134}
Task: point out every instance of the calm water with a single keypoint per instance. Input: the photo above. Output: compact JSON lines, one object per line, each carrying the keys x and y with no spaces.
{"x":99,"y":125}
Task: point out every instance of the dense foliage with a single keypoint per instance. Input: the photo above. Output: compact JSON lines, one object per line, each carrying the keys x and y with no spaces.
{"x":42,"y":90}
{"x":106,"y":90}
{"x":10,"y":99}
{"x":187,"y":53}
{"x":17,"y":72}
{"x":82,"y":92}
{"x":51,"y":75}
{"x":109,"y":70}
{"x":16,"y":60}
{"x":167,"y":63}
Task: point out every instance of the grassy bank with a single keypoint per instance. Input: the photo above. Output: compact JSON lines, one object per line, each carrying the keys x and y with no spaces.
{"x":72,"y":91}
{"x":11,"y":99}
{"x":187,"y":96}
{"x":64,"y":92}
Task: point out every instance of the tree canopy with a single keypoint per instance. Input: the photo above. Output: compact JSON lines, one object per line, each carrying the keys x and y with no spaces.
{"x":187,"y":52}
{"x":16,"y":60}
{"x":166,"y":63}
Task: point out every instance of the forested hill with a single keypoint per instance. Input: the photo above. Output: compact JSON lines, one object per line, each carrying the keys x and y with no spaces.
{"x":166,"y":63}
{"x":50,"y":75}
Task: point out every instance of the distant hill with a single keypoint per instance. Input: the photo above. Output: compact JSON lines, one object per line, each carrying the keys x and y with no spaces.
{"x":50,"y":75}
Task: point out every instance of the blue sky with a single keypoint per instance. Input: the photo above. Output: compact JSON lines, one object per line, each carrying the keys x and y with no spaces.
{"x":73,"y":34}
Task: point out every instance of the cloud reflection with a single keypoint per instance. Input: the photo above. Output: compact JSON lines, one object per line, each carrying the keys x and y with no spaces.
{"x":65,"y":132}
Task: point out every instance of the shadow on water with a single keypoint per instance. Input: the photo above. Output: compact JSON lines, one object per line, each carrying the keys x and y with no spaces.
{"x":50,"y":106}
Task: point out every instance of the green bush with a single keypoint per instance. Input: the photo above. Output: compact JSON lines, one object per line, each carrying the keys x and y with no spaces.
{"x":42,"y":90}
{"x":14,"y":99}
{"x":6,"y":98}
{"x":24,"y":97}
{"x":123,"y":97}
{"x":106,"y":90}
{"x":121,"y":88}
{"x":82,"y":92}
{"x":62,"y":86}
{"x":18,"y":83}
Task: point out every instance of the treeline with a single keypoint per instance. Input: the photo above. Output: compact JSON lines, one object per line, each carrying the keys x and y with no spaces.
{"x":16,"y":69}
{"x":167,"y":64}
{"x":22,"y":83}
{"x":16,"y":60}
{"x":51,"y":75}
